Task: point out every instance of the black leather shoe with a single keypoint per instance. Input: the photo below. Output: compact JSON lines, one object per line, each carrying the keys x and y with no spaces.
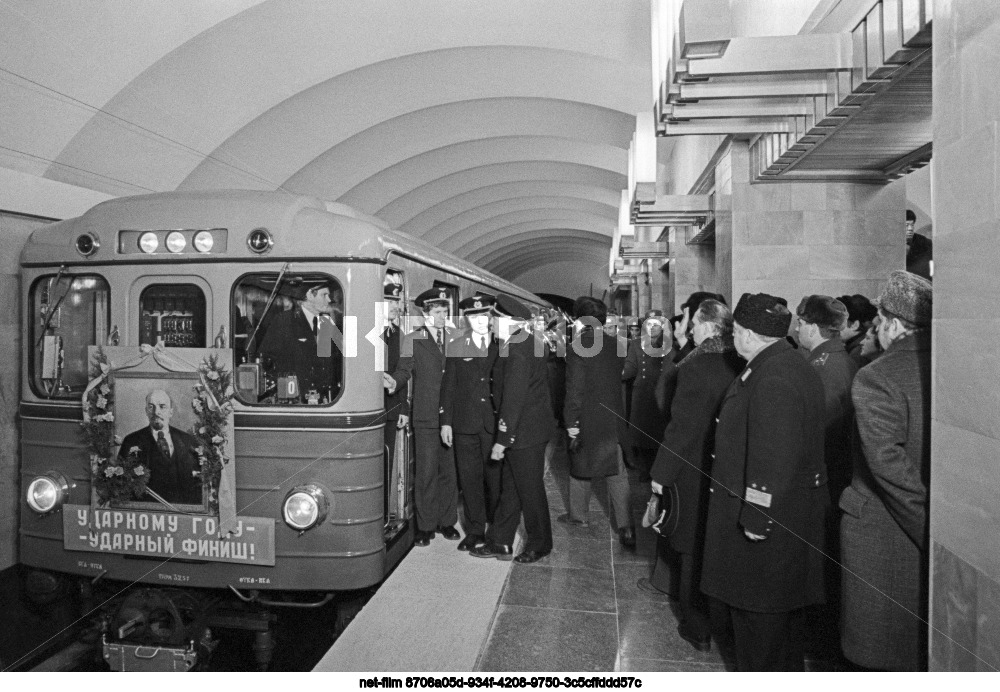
{"x":566,"y":519}
{"x":490,"y":549}
{"x":471,"y":541}
{"x":529,"y":556}
{"x":627,"y":537}
{"x":703,"y":644}
{"x":421,"y":538}
{"x":449,"y":532}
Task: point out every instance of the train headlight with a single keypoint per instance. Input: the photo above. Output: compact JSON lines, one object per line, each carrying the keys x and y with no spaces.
{"x":87,"y":244}
{"x":260,"y":241}
{"x":305,"y":507}
{"x":47,"y":492}
{"x":203,"y":241}
{"x":148,"y":242}
{"x":175,"y":241}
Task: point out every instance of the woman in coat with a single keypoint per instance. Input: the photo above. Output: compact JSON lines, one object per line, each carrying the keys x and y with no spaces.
{"x":642,"y":368}
{"x":685,"y":458}
{"x":593,"y":408}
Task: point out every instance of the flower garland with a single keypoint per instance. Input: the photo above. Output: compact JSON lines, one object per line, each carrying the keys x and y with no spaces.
{"x":116,"y":479}
{"x":212,"y":405}
{"x":123,"y":478}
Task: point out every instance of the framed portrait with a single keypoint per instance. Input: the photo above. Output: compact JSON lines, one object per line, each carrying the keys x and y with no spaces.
{"x":171,"y":420}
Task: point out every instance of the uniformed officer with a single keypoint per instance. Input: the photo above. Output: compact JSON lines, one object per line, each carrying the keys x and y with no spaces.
{"x":467,"y":418}
{"x":643,"y":365}
{"x":293,"y":339}
{"x":820,"y":321}
{"x":422,"y":360}
{"x":764,"y":535}
{"x":524,"y":426}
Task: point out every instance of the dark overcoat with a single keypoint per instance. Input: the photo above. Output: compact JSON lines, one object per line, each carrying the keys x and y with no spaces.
{"x":836,"y":369}
{"x":643,"y":366}
{"x":520,"y":392}
{"x":884,"y":526}
{"x":171,"y":478}
{"x":594,"y":401}
{"x":395,"y":403}
{"x":466,"y":398}
{"x":422,"y":361}
{"x":768,"y":478}
{"x":685,"y":457}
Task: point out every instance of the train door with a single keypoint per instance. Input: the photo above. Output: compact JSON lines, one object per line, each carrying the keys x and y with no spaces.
{"x":398,"y":457}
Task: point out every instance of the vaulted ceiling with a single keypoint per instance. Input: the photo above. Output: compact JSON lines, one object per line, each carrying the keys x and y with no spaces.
{"x":497,"y":129}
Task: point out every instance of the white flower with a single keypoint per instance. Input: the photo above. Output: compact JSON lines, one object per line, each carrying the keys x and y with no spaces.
{"x":139,"y":470}
{"x":212,"y":375}
{"x":110,"y":471}
{"x":119,"y":471}
{"x":217,"y":440}
{"x":135,"y":449}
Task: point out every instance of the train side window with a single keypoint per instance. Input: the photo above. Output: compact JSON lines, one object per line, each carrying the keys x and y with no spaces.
{"x":173,"y":314}
{"x":285,"y":337}
{"x":69,"y":313}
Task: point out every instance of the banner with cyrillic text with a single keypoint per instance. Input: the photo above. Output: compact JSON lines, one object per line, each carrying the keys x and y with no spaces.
{"x":159,"y":534}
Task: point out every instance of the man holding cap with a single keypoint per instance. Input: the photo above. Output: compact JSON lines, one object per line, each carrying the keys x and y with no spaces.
{"x":467,"y":419}
{"x":764,"y":535}
{"x":422,"y":359}
{"x":524,"y":425}
{"x":884,"y":526}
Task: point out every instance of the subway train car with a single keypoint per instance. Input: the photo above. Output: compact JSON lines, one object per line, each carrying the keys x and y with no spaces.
{"x":279,"y":497}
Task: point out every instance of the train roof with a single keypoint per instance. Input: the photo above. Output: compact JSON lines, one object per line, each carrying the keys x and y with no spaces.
{"x":303,"y":228}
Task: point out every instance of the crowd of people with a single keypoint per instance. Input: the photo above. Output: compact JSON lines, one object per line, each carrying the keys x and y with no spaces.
{"x":787,"y":453}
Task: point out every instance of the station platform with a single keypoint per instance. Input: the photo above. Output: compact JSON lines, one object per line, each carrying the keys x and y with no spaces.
{"x":578,"y":609}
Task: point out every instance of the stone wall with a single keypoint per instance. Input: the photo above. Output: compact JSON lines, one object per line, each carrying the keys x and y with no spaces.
{"x":965,"y":458}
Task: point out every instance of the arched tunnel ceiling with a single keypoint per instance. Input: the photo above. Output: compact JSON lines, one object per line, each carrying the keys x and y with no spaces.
{"x":497,"y":130}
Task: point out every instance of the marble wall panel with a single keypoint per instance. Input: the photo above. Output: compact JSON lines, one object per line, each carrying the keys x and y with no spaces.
{"x":789,"y":262}
{"x":880,"y":198}
{"x":953,"y":644}
{"x":831,"y":227}
{"x":852,"y":261}
{"x":947,"y":94}
{"x":808,"y":196}
{"x":965,"y":476}
{"x":963,"y":395}
{"x":768,"y":228}
{"x":966,"y":193}
{"x":972,"y":279}
{"x":987,"y":623}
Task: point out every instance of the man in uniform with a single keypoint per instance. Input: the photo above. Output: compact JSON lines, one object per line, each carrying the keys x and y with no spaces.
{"x":524,"y":426}
{"x":293,"y":341}
{"x":820,"y":320}
{"x":422,"y":359}
{"x":396,"y":409}
{"x":763,"y":555}
{"x":467,"y":418}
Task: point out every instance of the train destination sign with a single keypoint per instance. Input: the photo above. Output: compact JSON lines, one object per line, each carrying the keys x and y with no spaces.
{"x":158,"y":534}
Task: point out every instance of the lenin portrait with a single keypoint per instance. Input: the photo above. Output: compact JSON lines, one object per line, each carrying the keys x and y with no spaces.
{"x":167,"y":451}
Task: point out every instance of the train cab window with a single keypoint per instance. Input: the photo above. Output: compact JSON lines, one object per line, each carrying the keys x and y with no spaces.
{"x":286,"y":336}
{"x":69,"y":313}
{"x":173,"y":314}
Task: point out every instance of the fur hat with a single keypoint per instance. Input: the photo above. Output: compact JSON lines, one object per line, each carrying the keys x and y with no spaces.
{"x":760,"y":313}
{"x":908,"y":296}
{"x":823,"y":311}
{"x":859,"y":308}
